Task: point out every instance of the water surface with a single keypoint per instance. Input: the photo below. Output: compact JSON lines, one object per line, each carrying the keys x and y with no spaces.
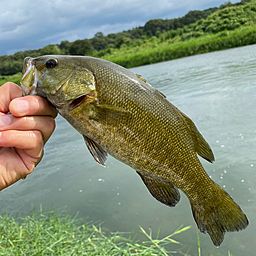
{"x":217,"y":91}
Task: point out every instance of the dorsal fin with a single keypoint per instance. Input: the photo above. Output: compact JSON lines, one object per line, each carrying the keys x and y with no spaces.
{"x":142,"y":79}
{"x":161,"y":189}
{"x":202,"y":148}
{"x":155,"y":90}
{"x":160,"y":93}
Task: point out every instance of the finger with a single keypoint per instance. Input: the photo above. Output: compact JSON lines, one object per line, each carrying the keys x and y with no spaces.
{"x":39,"y":160}
{"x":8,"y":92}
{"x":26,"y":140}
{"x":28,"y":145}
{"x":16,"y":164}
{"x":44,"y":124}
{"x":32,"y":106}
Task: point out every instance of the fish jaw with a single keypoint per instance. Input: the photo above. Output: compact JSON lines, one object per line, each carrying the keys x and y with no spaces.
{"x":29,"y":78}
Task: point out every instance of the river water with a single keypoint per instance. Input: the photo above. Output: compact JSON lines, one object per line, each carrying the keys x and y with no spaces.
{"x":218,"y":92}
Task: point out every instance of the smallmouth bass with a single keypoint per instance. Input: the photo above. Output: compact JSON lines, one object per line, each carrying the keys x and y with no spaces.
{"x":120,"y":114}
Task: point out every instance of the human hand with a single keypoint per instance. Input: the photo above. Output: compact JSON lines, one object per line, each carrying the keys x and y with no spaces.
{"x":25,"y":126}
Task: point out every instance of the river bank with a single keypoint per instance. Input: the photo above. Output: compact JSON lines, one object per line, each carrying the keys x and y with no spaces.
{"x":154,"y":52}
{"x":228,"y":27}
{"x":158,"y":52}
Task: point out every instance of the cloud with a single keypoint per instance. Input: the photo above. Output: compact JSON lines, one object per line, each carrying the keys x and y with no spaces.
{"x":31,"y":24}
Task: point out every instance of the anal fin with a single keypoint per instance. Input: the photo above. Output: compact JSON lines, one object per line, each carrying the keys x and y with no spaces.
{"x":162,"y":190}
{"x":98,"y":153}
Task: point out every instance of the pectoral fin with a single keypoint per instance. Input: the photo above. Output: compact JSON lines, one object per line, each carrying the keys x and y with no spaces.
{"x":163,"y":190}
{"x":99,"y":154}
{"x":107,"y":112}
{"x":201,"y":146}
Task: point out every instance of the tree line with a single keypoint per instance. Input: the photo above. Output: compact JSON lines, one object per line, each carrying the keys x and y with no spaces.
{"x":194,"y":24}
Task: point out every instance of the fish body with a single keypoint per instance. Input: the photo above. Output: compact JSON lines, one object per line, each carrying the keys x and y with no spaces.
{"x":120,"y":114}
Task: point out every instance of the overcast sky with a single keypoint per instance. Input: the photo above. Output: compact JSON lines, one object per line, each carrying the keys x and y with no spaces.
{"x":33,"y":24}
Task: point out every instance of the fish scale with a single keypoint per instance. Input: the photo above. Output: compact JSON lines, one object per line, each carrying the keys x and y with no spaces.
{"x":120,"y":114}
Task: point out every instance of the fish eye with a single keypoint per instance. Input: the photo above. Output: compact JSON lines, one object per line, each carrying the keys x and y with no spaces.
{"x":51,"y":63}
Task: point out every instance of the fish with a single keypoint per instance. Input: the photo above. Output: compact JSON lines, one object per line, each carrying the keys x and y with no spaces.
{"x":119,"y":113}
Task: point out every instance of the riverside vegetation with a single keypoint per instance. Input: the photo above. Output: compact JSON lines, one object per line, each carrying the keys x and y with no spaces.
{"x":53,"y":234}
{"x":230,"y":25}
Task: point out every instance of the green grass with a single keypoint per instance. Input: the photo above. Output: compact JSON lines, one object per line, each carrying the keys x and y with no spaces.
{"x":13,"y":78}
{"x":152,"y":52}
{"x":56,"y":234}
{"x":198,"y":244}
{"x":52,"y":234}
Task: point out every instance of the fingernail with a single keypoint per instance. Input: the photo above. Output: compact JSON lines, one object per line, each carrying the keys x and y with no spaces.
{"x":22,"y":106}
{"x":4,"y":121}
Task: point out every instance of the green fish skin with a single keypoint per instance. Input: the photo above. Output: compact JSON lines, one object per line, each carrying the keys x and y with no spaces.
{"x":120,"y":114}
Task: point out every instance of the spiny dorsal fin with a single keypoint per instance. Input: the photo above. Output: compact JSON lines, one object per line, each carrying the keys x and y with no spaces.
{"x":161,"y":189}
{"x":99,"y":154}
{"x":201,"y":146}
{"x":142,"y":79}
{"x":160,"y":93}
{"x":155,"y":90}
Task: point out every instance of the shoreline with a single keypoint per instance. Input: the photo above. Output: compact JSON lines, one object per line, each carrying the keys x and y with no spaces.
{"x":168,"y":50}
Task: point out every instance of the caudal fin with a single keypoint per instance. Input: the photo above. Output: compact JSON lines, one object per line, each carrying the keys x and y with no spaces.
{"x":215,"y":217}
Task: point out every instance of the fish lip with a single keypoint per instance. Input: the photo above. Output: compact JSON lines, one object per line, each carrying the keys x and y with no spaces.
{"x":27,"y":88}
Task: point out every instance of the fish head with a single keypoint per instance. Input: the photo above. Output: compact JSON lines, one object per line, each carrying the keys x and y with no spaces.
{"x":60,"y":79}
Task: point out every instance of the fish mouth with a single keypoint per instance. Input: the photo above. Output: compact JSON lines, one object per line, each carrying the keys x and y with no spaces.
{"x":30,"y":76}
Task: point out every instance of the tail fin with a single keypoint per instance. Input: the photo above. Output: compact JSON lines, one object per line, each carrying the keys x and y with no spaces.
{"x":215,"y":217}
